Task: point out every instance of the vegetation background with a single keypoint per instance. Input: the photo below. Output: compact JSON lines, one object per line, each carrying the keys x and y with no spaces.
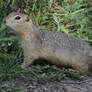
{"x":70,"y":16}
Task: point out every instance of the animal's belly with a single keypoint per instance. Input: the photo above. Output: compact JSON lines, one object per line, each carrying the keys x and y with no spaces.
{"x":59,"y":57}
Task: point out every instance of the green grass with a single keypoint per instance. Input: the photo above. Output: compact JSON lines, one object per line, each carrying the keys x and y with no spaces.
{"x":13,"y":90}
{"x":69,"y":16}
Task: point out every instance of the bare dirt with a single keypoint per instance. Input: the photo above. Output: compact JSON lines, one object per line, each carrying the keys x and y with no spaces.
{"x":24,"y":84}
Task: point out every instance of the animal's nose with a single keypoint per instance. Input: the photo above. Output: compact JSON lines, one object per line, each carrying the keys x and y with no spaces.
{"x":4,"y":21}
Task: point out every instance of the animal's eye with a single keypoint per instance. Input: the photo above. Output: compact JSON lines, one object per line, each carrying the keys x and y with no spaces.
{"x":17,"y":18}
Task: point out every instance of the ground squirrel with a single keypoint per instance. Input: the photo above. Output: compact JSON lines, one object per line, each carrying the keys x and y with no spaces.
{"x":56,"y":47}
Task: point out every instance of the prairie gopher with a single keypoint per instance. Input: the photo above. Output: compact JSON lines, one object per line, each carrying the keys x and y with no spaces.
{"x":56,"y":47}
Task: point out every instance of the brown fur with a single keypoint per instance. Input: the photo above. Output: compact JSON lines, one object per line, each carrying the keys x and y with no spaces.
{"x":57,"y":47}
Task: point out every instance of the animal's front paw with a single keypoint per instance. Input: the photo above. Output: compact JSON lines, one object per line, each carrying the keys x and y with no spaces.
{"x":24,"y":65}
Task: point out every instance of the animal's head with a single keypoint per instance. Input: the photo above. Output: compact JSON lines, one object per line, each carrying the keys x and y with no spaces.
{"x":17,"y":21}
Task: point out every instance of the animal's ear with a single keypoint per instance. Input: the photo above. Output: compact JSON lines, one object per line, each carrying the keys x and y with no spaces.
{"x":27,"y":19}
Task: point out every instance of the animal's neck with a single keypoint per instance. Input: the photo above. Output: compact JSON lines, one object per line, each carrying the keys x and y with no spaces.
{"x":28,"y":31}
{"x":30,"y":36}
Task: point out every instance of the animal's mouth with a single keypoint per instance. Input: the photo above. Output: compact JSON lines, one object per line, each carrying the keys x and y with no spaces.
{"x":6,"y":25}
{"x":12,"y":35}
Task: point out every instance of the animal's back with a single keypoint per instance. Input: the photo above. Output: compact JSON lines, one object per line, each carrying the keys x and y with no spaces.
{"x":59,"y":40}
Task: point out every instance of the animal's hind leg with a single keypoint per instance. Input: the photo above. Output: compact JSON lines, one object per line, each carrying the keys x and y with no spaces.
{"x":79,"y":62}
{"x":81,"y":67}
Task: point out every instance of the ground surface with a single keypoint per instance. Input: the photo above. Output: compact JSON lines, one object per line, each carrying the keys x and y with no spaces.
{"x":24,"y":84}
